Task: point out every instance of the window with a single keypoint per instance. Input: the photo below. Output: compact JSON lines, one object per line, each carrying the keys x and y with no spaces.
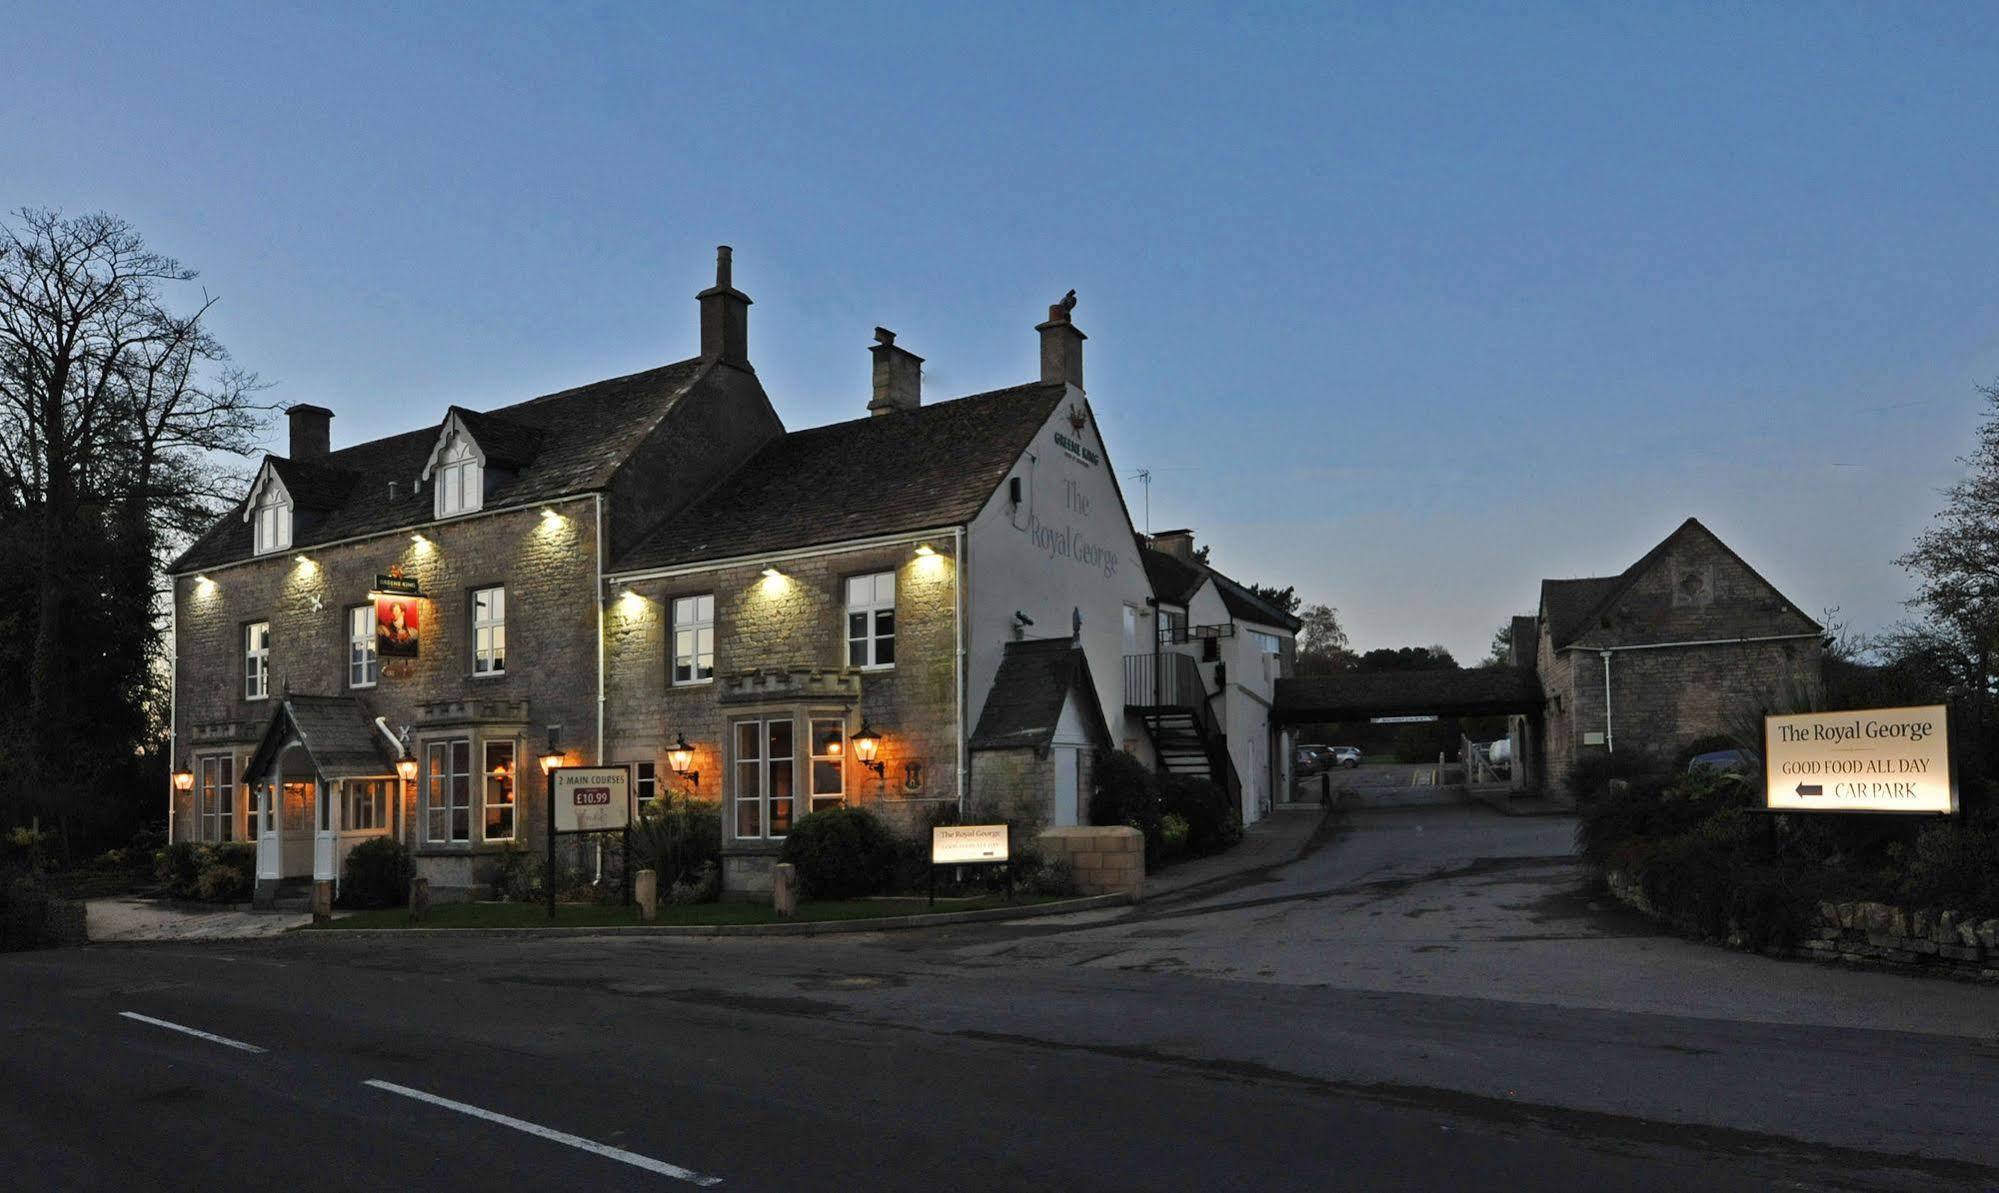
{"x":763,"y":763}
{"x":1131,"y":629}
{"x":489,"y":631}
{"x":257,"y":660}
{"x":694,"y":639}
{"x":871,"y":620}
{"x":449,"y":808}
{"x":645,"y":781}
{"x":367,"y":806}
{"x":501,"y":782}
{"x":218,"y":798}
{"x":458,"y":482}
{"x":1266,"y":643}
{"x":1172,"y":627}
{"x":273,"y":525}
{"x":829,"y":771}
{"x":363,"y":667}
{"x":295,"y":796}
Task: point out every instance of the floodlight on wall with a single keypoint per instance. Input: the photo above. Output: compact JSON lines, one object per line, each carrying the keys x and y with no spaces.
{"x":925,"y":550}
{"x":770,"y":571}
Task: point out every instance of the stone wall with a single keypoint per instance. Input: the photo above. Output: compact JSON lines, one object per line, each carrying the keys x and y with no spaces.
{"x":1875,"y":936}
{"x":1106,"y":861}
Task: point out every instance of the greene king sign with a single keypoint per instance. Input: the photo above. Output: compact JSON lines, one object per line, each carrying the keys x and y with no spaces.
{"x":1862,"y":760}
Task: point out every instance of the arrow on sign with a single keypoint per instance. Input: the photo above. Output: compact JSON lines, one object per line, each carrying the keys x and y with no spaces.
{"x":1814,"y":789}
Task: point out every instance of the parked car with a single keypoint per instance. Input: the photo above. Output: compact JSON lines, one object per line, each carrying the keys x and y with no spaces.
{"x":1741,"y":761}
{"x":1347,"y":756}
{"x":1312,"y":760}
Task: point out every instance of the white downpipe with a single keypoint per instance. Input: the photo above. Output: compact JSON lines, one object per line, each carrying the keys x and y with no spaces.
{"x":173,"y":707}
{"x":602,"y":596}
{"x":958,"y":660}
{"x":1609,"y":737}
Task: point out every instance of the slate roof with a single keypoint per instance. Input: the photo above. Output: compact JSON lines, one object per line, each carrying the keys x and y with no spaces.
{"x":1481,"y":691}
{"x":583,"y":435}
{"x":1174,"y":582}
{"x":1567,"y":604}
{"x":311,"y":486}
{"x":507,"y":444}
{"x":338,"y":732}
{"x":1034,"y":680}
{"x":935,"y":465}
{"x":1246,"y":605}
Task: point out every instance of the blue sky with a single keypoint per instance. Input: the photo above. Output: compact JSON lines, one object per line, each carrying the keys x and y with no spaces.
{"x":1407,"y":305}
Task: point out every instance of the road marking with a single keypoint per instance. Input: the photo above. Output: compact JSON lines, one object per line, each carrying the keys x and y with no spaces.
{"x":576,"y":1141}
{"x":212,"y":1038}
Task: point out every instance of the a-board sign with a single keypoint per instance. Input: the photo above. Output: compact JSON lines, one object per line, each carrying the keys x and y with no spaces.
{"x":1859,"y":760}
{"x":962,"y":844}
{"x":592,"y":799}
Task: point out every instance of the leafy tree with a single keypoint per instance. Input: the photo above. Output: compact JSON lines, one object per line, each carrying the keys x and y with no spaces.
{"x":1502,"y":646}
{"x":1322,"y":643}
{"x":114,"y":404}
{"x":1285,"y":598}
{"x":1407,"y":658}
{"x":1956,"y":564}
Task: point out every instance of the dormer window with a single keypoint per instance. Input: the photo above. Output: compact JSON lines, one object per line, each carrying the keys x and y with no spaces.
{"x":458,"y":478}
{"x":269,"y":513}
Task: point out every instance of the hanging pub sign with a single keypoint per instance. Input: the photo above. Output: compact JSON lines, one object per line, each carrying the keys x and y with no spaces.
{"x":1860,"y":760}
{"x":396,"y":626}
{"x":394,"y":583}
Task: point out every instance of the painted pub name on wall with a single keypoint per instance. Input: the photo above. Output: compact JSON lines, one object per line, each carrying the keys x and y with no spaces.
{"x":1066,"y":542}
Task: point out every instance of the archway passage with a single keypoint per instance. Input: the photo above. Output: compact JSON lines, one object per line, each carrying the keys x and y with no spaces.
{"x":1510,"y":692}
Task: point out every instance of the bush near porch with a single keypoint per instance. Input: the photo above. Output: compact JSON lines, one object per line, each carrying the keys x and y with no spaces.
{"x":207,"y":872}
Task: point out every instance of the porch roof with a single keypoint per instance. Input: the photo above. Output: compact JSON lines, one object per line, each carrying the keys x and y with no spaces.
{"x":337,"y":732}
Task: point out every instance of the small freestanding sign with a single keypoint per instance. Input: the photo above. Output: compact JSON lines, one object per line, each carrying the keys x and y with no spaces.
{"x":971,"y":845}
{"x":1860,"y":760}
{"x":588,"y":799}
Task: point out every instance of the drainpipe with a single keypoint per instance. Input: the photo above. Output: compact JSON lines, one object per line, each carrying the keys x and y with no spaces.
{"x":959,"y":676}
{"x":1609,"y":737}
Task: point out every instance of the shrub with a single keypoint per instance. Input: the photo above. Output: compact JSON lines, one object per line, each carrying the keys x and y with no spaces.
{"x":1173,"y":830}
{"x":377,"y":874}
{"x":702,"y":886}
{"x":1953,"y":866}
{"x":677,"y":841}
{"x":178,"y":868}
{"x":1126,"y":793}
{"x":1212,"y":821}
{"x":517,"y":876}
{"x":1589,"y":779}
{"x":841,"y":853}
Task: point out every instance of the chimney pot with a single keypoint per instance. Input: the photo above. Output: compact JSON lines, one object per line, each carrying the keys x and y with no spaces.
{"x":311,"y":431}
{"x":1177,"y":543}
{"x":898,"y":376}
{"x":725,"y":315}
{"x":1061,"y":345}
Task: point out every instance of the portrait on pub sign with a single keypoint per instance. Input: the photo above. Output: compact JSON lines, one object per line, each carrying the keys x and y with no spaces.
{"x":396,"y":626}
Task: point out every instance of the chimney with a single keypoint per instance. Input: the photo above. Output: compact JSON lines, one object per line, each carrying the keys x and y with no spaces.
{"x":312,"y":431}
{"x":725,"y":316}
{"x":1061,"y":345}
{"x":898,"y":376}
{"x":1177,"y":543}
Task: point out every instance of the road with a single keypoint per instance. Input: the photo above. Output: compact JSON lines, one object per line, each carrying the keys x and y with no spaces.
{"x":1429,"y":1000}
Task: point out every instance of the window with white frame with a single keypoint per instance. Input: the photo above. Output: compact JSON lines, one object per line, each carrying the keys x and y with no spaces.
{"x":694,"y":639}
{"x":448,"y":798}
{"x":271,"y":525}
{"x":645,"y":781}
{"x":871,"y":620}
{"x":502,"y":782}
{"x":367,"y":806}
{"x":457,"y":482}
{"x":489,"y":631}
{"x":257,"y":660}
{"x":218,"y":798}
{"x":763,"y":759}
{"x":1266,"y":643}
{"x":363,"y":667}
{"x":1172,"y":627}
{"x":829,"y":769}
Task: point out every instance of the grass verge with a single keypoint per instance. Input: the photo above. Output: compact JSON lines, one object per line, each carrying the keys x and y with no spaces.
{"x":583,"y":915}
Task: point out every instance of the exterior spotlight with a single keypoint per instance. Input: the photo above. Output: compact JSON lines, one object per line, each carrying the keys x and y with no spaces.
{"x":420,"y":540}
{"x":925,"y":550}
{"x":866,"y":743}
{"x":304,"y":560}
{"x":184,"y":779}
{"x":203,"y":580}
{"x":548,"y":514}
{"x":680,"y":758}
{"x":406,"y":768}
{"x":770,"y":571}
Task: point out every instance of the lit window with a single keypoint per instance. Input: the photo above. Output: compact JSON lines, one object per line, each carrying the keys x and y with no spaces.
{"x":871,"y":620}
{"x":500,"y":787}
{"x":257,"y":660}
{"x":694,"y":639}
{"x":764,"y":761}
{"x":829,"y":771}
{"x":218,"y":798}
{"x":448,"y":800}
{"x":1266,"y":643}
{"x":367,"y":806}
{"x":457,"y":481}
{"x":363,"y":667}
{"x":489,"y":631}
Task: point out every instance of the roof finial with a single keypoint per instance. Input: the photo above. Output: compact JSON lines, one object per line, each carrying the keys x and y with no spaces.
{"x":724,"y":274}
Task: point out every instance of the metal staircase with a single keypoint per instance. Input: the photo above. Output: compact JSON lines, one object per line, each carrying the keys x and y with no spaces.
{"x":1166,"y":692}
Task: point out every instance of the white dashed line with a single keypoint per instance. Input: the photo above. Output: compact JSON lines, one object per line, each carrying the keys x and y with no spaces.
{"x":576,"y":1141}
{"x":225,"y":1041}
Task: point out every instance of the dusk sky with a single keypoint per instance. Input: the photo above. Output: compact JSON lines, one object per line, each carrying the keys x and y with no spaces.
{"x":1409,"y":306}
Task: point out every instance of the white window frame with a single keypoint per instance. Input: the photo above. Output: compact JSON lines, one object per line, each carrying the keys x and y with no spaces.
{"x":864,"y":650}
{"x":489,"y":631}
{"x":645,"y":781}
{"x":760,"y":772}
{"x":454,"y":785}
{"x":1266,"y":643}
{"x":820,"y":764}
{"x":458,"y":479}
{"x":1172,"y":628}
{"x":257,"y":660}
{"x":367,"y":809}
{"x":487,"y":783}
{"x":269,"y":514}
{"x":364,"y":665}
{"x":691,"y":630}
{"x":215,"y":792}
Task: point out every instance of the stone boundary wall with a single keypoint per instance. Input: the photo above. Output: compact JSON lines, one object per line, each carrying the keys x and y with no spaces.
{"x":1109,"y":860}
{"x":1871,"y":935}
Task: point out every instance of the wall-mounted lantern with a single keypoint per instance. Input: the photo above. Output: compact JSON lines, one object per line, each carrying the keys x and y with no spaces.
{"x":406,"y":769}
{"x":867,"y":743}
{"x":680,"y":759}
{"x":184,"y":779}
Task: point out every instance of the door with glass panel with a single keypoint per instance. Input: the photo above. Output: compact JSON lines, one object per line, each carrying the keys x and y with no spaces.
{"x":764,"y":760}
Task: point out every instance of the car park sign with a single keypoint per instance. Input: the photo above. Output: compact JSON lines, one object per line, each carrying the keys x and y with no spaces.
{"x":1860,"y":760}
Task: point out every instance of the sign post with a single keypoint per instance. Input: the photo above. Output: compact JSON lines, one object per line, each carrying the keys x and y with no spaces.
{"x":971,"y":845}
{"x":1894,"y":760}
{"x":588,"y":799}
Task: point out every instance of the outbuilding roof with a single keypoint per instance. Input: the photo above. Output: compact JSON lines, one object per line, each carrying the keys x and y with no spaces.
{"x":557,"y":445}
{"x":1035,"y":679}
{"x":933,"y":466}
